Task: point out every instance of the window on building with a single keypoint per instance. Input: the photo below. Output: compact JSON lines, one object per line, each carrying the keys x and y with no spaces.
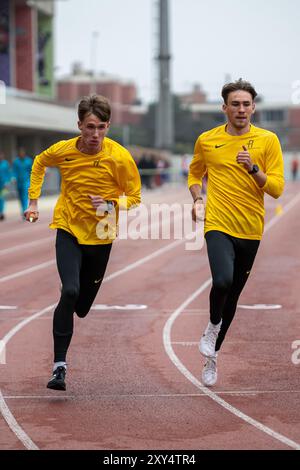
{"x":273,"y":115}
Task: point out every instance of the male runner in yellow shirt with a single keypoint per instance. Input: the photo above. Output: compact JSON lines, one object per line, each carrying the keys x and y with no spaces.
{"x":95,"y":173}
{"x":242,"y":163}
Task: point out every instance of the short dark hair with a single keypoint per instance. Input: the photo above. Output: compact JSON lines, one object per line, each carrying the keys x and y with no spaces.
{"x":236,"y":86}
{"x":94,"y":104}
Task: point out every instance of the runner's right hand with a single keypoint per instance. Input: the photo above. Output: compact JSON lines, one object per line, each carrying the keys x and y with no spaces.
{"x":31,"y":214}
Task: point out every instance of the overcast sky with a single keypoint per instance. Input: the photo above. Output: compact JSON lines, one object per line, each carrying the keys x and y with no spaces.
{"x":258,"y":40}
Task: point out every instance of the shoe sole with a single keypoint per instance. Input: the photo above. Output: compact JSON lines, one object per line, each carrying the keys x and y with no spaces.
{"x":57,"y":386}
{"x":209,"y":385}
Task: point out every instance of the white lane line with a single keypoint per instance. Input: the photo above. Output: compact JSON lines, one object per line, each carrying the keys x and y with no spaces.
{"x":23,"y":246}
{"x":150,"y":395}
{"x":260,"y":307}
{"x":141,"y":261}
{"x":38,"y":397}
{"x":34,"y":268}
{"x":4,"y":410}
{"x":176,"y":361}
{"x":20,"y":325}
{"x":27,"y":228}
{"x":196,"y":343}
{"x":12,"y":423}
{"x":119,"y":307}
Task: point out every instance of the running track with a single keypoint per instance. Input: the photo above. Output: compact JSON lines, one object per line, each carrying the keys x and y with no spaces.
{"x":133,"y":380}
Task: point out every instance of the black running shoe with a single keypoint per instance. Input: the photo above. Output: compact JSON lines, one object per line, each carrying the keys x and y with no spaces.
{"x":57,"y":382}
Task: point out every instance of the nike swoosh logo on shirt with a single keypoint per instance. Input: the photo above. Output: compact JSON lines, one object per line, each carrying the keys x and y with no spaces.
{"x":218,"y":146}
{"x":69,"y":159}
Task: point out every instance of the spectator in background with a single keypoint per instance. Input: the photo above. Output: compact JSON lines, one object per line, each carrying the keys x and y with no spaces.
{"x":185,"y":162}
{"x":5,"y":177}
{"x":21,"y":172}
{"x":160,"y":164}
{"x":165,"y":175}
{"x":147,"y":166}
{"x":294,"y":167}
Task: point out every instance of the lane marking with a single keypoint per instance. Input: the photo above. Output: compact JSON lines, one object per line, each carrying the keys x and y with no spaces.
{"x":38,"y":397}
{"x":186,"y":343}
{"x":196,"y":343}
{"x":152,"y":255}
{"x":8,"y":307}
{"x":149,"y":395}
{"x":18,"y":230}
{"x":261,"y":307}
{"x":34,"y":268}
{"x":19,"y":326}
{"x":118,"y":307}
{"x":188,"y":375}
{"x":23,"y":246}
{"x":13,"y":424}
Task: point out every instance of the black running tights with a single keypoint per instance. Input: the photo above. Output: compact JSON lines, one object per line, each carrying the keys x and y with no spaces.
{"x":81,"y":269}
{"x":230,"y":260}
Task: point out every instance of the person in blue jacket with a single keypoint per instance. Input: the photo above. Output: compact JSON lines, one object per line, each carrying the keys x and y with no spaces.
{"x":5,"y":177}
{"x":21,"y":170}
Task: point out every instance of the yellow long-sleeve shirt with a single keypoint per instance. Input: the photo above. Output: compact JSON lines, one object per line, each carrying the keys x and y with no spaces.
{"x":110,"y":174}
{"x":235,"y":203}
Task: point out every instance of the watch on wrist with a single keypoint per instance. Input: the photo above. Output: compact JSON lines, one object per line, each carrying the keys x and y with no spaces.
{"x":199,"y":198}
{"x":255,"y":169}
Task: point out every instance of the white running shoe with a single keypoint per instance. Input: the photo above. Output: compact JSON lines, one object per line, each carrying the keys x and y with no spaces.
{"x":208,"y":341}
{"x":209,"y":373}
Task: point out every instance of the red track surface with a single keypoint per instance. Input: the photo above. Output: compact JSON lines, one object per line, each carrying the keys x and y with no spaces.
{"x":128,"y":386}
